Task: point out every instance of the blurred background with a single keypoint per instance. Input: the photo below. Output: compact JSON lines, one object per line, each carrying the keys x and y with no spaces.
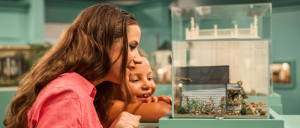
{"x":28,"y":28}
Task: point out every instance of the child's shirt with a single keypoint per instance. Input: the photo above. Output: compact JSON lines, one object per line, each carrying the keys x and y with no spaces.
{"x":65,"y":102}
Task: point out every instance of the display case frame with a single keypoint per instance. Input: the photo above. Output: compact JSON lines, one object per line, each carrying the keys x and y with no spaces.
{"x":181,"y":32}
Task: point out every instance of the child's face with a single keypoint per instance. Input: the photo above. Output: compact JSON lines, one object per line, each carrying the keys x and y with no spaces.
{"x":140,"y":83}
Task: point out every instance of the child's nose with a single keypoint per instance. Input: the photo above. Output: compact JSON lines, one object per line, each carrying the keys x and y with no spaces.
{"x":146,"y":85}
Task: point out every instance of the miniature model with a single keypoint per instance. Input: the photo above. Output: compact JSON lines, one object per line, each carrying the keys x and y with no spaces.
{"x":202,"y":99}
{"x":219,"y":113}
{"x":217,"y":47}
{"x":233,"y":96}
{"x":228,"y":33}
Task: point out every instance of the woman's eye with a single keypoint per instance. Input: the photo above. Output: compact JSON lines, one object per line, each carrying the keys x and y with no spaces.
{"x":132,"y":47}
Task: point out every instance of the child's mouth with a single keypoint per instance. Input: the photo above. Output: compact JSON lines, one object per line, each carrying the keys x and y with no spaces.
{"x":144,"y":97}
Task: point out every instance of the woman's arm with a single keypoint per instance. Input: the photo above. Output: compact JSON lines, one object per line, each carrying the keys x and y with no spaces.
{"x":150,"y":112}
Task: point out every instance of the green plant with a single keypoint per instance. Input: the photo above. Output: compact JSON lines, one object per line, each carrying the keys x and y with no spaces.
{"x":262,"y":113}
{"x":181,"y":110}
{"x":188,"y":105}
{"x":195,"y":105}
{"x":249,"y":111}
{"x":222,"y":104}
{"x":232,"y":111}
{"x":243,"y":111}
{"x":243,"y":93}
{"x":212,"y":104}
{"x":179,"y":80}
{"x":203,"y":106}
{"x":200,"y":105}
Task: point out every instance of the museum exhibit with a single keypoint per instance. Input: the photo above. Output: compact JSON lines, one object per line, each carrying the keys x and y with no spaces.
{"x":216,"y":64}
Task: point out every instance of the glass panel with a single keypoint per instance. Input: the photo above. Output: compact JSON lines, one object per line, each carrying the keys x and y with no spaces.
{"x":161,"y":65}
{"x":221,"y":60}
{"x":247,"y":21}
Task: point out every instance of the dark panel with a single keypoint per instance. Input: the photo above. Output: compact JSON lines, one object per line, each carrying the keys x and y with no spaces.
{"x":204,"y":74}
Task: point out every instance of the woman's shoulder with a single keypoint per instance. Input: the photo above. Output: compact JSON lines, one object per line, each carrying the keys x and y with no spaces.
{"x":69,"y":85}
{"x":54,"y":94}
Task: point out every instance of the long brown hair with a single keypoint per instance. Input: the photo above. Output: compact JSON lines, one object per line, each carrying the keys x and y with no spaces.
{"x":84,"y":48}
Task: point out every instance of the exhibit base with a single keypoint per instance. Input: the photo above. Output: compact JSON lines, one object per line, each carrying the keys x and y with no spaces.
{"x":275,"y":121}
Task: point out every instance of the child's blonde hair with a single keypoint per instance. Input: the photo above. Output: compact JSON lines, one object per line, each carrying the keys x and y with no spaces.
{"x":142,"y":53}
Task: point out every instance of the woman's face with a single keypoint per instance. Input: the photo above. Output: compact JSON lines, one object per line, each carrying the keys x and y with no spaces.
{"x":133,"y":35}
{"x":140,"y":82}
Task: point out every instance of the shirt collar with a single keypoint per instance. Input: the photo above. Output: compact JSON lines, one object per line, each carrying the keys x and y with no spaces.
{"x":88,"y":87}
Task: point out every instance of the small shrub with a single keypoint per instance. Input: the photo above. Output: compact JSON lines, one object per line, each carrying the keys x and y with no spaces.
{"x":249,"y":111}
{"x":262,"y":113}
{"x":243,"y":111}
{"x":181,"y":110}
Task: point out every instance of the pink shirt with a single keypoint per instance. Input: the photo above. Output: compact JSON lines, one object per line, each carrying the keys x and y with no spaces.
{"x":66,"y":102}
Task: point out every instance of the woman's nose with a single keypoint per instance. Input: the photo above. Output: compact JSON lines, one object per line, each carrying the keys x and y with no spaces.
{"x":137,"y":59}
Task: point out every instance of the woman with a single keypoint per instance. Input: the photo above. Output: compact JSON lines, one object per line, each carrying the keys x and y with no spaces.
{"x":58,"y":91}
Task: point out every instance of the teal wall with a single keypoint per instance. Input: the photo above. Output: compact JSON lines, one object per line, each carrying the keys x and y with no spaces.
{"x":286,"y":44}
{"x":64,"y":11}
{"x":153,"y":16}
{"x":155,"y":20}
{"x":22,"y":22}
{"x":5,"y":97}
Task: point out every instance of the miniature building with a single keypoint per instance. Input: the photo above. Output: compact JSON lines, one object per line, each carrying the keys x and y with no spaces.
{"x":229,"y":33}
{"x":207,"y":82}
{"x":233,"y":95}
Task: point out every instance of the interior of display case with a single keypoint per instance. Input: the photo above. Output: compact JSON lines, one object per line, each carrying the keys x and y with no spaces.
{"x":231,"y":75}
{"x":221,"y":61}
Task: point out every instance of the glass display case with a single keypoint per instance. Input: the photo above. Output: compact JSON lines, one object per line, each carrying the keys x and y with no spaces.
{"x":221,"y":59}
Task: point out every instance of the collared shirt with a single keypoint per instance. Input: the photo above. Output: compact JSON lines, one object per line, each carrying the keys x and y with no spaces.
{"x":66,"y":102}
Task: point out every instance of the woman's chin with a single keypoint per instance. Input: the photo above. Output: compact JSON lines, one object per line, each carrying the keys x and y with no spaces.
{"x":116,"y":80}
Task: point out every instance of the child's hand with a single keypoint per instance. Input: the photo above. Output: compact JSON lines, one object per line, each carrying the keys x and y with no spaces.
{"x":164,"y":98}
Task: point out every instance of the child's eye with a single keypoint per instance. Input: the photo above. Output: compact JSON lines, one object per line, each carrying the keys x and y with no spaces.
{"x":134,"y":81}
{"x":149,"y":78}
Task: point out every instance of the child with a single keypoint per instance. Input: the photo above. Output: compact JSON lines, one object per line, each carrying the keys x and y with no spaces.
{"x":141,"y":84}
{"x":143,"y":102}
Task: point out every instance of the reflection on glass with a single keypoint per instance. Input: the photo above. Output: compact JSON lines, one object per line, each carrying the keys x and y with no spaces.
{"x":162,"y":66}
{"x":14,"y":69}
{"x":4,"y":67}
{"x":281,"y":73}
